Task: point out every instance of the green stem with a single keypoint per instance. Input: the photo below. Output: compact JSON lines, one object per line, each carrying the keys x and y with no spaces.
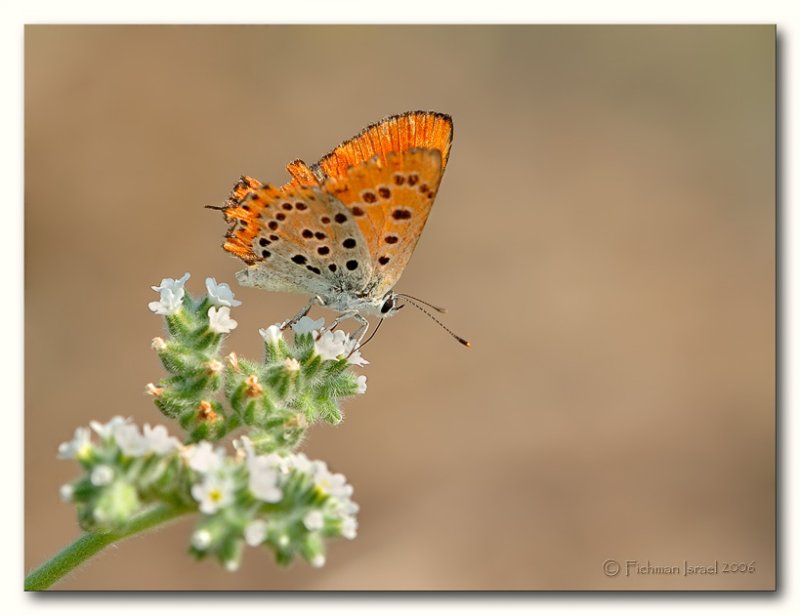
{"x":87,"y":545}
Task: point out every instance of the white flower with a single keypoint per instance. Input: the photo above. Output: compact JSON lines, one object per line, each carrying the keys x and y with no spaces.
{"x":272,"y":460}
{"x":355,"y":358}
{"x":168,"y":305}
{"x":271,"y":334}
{"x":349,"y":527}
{"x":264,"y":477}
{"x":307,"y":325}
{"x":264,"y":471}
{"x":130,"y":440}
{"x":300,"y":462}
{"x":158,"y":440}
{"x":106,"y":430}
{"x":314,"y":520}
{"x":361,"y":384}
{"x":244,"y":447}
{"x":170,"y":284}
{"x":353,"y":355}
{"x":65,"y":492}
{"x":347,"y":507}
{"x":172,"y":293}
{"x":334,"y":485}
{"x":331,"y":345}
{"x":292,"y":365}
{"x":215,"y":492}
{"x":220,"y":294}
{"x":102,"y":475}
{"x":201,"y":539}
{"x":220,"y":321}
{"x":264,"y":486}
{"x":77,"y":448}
{"x":203,"y":458}
{"x":256,"y":532}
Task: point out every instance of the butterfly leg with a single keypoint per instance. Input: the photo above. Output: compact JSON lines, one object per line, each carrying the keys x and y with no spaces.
{"x":337,"y":321}
{"x":316,"y":300}
{"x":359,"y":333}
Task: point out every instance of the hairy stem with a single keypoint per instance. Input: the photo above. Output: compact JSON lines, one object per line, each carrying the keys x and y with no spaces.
{"x":89,"y":544}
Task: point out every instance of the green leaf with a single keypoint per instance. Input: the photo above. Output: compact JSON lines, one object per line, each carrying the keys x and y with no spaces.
{"x":329,"y":411}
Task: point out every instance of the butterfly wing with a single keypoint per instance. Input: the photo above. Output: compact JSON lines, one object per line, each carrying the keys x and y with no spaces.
{"x":390,"y":200}
{"x":297,"y":239}
{"x":398,"y":162}
{"x":394,"y":134}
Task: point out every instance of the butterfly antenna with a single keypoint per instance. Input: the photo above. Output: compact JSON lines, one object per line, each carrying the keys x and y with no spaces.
{"x":378,"y":326}
{"x":437,"y":321}
{"x":218,"y":207}
{"x":441,"y":310}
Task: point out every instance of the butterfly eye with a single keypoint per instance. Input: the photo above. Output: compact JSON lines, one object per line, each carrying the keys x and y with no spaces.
{"x":387,"y":305}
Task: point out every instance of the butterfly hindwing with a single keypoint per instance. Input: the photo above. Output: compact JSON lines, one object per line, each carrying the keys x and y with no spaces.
{"x":297,"y":239}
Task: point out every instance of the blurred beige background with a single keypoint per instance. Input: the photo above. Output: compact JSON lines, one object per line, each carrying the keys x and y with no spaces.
{"x":604,"y":235}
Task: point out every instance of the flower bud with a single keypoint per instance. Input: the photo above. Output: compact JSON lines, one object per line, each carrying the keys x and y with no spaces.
{"x":201,"y":539}
{"x":102,"y":475}
{"x":206,"y":412}
{"x":298,"y":421}
{"x":318,"y":560}
{"x":254,"y":389}
{"x":214,"y":367}
{"x":256,"y":532}
{"x":233,"y":360}
{"x":66,"y":492}
{"x":153,"y":390}
{"x":117,"y":504}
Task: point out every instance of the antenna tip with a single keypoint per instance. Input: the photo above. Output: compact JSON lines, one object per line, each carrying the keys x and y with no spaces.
{"x":466,"y":343}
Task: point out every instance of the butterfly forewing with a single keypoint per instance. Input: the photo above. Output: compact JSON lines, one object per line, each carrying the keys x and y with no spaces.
{"x":399,"y":133}
{"x":390,"y":200}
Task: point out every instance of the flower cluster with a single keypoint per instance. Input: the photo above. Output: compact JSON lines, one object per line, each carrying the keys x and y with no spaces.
{"x":191,"y":356}
{"x":278,"y":398}
{"x":286,"y":503}
{"x":265,"y":493}
{"x":125,"y":468}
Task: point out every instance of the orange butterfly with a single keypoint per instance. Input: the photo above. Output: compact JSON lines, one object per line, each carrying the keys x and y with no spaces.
{"x":343,"y":229}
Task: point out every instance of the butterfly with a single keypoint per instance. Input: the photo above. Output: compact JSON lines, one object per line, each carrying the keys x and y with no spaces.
{"x":343,"y":229}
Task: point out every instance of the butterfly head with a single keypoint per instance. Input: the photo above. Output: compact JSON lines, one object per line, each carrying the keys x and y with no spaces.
{"x":363,"y":303}
{"x":390,"y":304}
